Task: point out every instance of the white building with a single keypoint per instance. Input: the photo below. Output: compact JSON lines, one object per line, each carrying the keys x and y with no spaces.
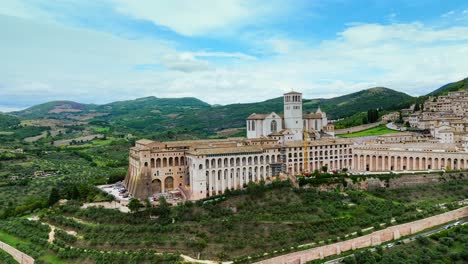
{"x":287,"y":127}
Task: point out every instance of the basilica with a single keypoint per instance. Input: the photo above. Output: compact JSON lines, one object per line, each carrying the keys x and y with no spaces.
{"x":276,"y":145}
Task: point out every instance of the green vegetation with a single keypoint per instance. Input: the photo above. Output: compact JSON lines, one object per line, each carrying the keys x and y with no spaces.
{"x":189,"y":118}
{"x":261,"y":218}
{"x":31,"y":237}
{"x":449,"y":246}
{"x":375,"y":131}
{"x":451,"y":87}
{"x":6,"y":258}
{"x":8,"y":121}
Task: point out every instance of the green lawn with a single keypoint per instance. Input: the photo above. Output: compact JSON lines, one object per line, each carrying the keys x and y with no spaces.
{"x":375,"y":131}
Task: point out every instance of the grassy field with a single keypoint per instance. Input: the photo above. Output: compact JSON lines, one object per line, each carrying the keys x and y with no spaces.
{"x":375,"y":131}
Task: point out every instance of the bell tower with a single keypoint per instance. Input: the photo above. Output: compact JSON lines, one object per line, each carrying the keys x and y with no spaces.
{"x":293,"y":114}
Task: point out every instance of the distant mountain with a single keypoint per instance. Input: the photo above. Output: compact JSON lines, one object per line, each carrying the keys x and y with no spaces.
{"x":53,"y":109}
{"x":451,"y":87}
{"x":234,"y":115}
{"x":346,"y":105}
{"x":193,"y":117}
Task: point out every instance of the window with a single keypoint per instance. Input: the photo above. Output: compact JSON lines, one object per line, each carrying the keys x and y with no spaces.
{"x":253,"y":125}
{"x":274,"y":127}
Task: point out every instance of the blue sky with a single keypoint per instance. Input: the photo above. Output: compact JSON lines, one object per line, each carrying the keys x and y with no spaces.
{"x":225,"y":51}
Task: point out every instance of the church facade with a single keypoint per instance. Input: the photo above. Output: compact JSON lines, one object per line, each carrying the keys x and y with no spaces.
{"x":291,"y":125}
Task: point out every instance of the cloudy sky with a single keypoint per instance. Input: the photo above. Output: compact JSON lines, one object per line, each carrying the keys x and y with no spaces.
{"x":225,"y":51}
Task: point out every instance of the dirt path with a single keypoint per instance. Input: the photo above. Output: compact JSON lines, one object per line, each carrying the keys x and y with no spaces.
{"x":51,"y":234}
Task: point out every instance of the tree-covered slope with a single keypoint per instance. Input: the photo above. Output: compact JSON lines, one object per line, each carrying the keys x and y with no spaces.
{"x":451,"y":87}
{"x":55,"y":109}
{"x":7,"y":121}
{"x":347,"y":105}
{"x":190,"y":116}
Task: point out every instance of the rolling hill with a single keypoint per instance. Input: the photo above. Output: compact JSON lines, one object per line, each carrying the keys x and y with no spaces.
{"x":55,"y":109}
{"x":195,"y":118}
{"x":451,"y":87}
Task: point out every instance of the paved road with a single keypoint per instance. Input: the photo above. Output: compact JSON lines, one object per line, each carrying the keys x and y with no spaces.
{"x":406,"y":240}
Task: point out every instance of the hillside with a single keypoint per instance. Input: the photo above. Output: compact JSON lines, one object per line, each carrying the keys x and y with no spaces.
{"x":451,"y":87}
{"x":7,"y":121}
{"x":54,"y":109}
{"x":191,"y":117}
{"x":347,"y":105}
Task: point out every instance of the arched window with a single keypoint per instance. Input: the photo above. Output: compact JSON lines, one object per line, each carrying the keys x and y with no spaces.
{"x":274,"y":126}
{"x":253,"y":125}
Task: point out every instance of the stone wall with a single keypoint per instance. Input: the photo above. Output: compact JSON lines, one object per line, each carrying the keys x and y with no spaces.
{"x":373,"y":239}
{"x":17,"y":255}
{"x":356,"y":128}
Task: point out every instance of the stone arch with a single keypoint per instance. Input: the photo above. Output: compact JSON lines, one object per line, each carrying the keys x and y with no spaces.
{"x":152,"y":163}
{"x":156,"y":186}
{"x":176,"y":161}
{"x":220,"y":163}
{"x":182,"y":161}
{"x":158,"y":163}
{"x":164,"y":162}
{"x":171,"y":162}
{"x":200,"y":167}
{"x":255,"y":160}
{"x":207,"y":164}
{"x":238,"y":162}
{"x":231,"y":162}
{"x":213,"y":163}
{"x":169,"y":184}
{"x":244,"y":161}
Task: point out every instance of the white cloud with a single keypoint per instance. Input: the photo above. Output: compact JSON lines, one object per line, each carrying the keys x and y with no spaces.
{"x":49,"y":62}
{"x":188,"y":17}
{"x":201,"y":17}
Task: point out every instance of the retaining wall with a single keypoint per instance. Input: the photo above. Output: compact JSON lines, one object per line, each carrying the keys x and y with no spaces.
{"x":17,"y":255}
{"x":373,"y":239}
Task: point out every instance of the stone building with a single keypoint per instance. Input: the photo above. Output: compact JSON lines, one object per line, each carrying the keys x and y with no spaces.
{"x":446,"y":117}
{"x":274,"y":145}
{"x":289,"y":126}
{"x":288,"y":144}
{"x":409,"y":157}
